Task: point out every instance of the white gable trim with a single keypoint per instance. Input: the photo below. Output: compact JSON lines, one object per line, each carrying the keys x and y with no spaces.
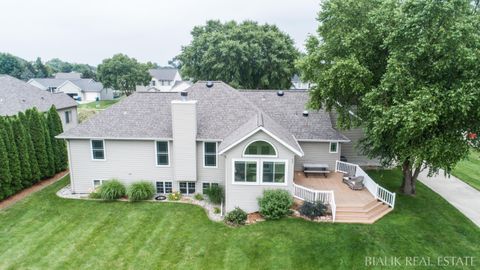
{"x":66,"y":82}
{"x":289,"y":147}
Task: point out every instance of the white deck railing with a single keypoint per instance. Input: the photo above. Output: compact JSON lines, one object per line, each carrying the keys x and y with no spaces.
{"x":379,"y":192}
{"x":312,"y":195}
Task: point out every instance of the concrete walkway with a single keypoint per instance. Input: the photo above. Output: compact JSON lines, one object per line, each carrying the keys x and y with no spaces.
{"x":464,"y":197}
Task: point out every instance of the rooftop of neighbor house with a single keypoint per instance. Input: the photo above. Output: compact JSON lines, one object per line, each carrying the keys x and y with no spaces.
{"x":223,"y":113}
{"x":86,"y":85}
{"x":163,"y":74}
{"x":17,"y":96}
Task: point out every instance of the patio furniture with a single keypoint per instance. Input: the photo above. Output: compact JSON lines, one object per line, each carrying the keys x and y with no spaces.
{"x":315,"y":168}
{"x":354,"y":183}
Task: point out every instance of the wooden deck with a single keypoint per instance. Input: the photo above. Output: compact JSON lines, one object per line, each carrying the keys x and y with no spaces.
{"x":344,"y":196}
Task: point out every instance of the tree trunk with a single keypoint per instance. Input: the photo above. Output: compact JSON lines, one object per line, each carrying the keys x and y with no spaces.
{"x":409,"y":178}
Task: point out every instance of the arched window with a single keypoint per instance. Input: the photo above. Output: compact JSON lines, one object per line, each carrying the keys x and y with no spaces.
{"x":260,"y":148}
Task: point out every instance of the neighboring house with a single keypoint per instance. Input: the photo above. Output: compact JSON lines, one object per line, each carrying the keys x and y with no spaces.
{"x":211,"y":134}
{"x":17,"y":96}
{"x":297,"y":84}
{"x":165,"y":79}
{"x":73,"y":85}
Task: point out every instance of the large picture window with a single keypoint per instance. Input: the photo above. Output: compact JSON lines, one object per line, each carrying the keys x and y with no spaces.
{"x":162,"y":153}
{"x":210,"y":154}
{"x":245,"y":171}
{"x":260,"y":148}
{"x":273,"y":172}
{"x":98,"y":149}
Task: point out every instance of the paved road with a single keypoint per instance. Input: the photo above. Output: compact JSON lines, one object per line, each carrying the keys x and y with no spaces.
{"x":464,"y":197}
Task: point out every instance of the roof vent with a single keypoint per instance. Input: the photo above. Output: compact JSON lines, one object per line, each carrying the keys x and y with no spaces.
{"x":305,"y":113}
{"x":184,"y":95}
{"x":280,"y":93}
{"x":209,"y":84}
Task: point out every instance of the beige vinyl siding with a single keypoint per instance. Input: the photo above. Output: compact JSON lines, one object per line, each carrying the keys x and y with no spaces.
{"x":73,"y":118}
{"x":317,"y":152}
{"x":209,"y":174}
{"x":128,"y":161}
{"x":184,"y":129}
{"x":245,"y":196}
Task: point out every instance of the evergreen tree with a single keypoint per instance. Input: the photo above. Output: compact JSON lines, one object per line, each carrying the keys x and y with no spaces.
{"x":35,"y":169}
{"x":37,"y":133}
{"x":5,"y":177}
{"x":49,"y":147}
{"x":23,"y":153}
{"x":59,"y":147}
{"x":14,"y":163}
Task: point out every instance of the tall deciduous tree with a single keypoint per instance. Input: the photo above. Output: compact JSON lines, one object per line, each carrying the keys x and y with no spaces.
{"x":410,"y":70}
{"x":123,"y":73}
{"x":245,"y":55}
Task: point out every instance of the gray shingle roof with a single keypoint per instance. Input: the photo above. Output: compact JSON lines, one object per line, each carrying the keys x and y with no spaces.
{"x":86,"y":85}
{"x":17,"y":96}
{"x":287,"y":110}
{"x":223,"y":113}
{"x":165,"y":74}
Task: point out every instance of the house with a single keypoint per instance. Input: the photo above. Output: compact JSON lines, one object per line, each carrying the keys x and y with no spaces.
{"x":73,"y":85}
{"x":165,"y":79}
{"x":212,"y":134}
{"x":18,"y":96}
{"x":298,"y":84}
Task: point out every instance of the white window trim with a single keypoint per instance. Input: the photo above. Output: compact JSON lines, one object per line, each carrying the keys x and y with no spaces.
{"x":330,"y":148}
{"x":101,"y":182}
{"x":216,"y":155}
{"x":156,"y":154}
{"x":245,"y":183}
{"x":164,"y":188}
{"x":104,"y":150}
{"x":188,"y":189}
{"x":273,"y":183}
{"x":267,"y":156}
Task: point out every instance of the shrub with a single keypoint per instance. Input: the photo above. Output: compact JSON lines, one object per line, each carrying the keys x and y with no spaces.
{"x":198,"y":197}
{"x":313,"y":210}
{"x":216,"y":210}
{"x":141,"y":191}
{"x":236,"y":217}
{"x":112,"y":190}
{"x":275,"y":203}
{"x":215,"y":194}
{"x":94,"y":195}
{"x":174,"y":196}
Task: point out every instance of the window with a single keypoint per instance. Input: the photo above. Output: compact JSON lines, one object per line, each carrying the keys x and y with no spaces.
{"x":245,"y":171}
{"x":153,"y":82}
{"x":210,"y":154}
{"x":162,"y":153}
{"x":67,"y":116}
{"x":164,"y":187}
{"x":97,"y":183}
{"x":163,"y":82}
{"x":187,"y":187}
{"x":273,"y":172}
{"x":333,"y":147}
{"x":260,"y":148}
{"x":207,"y":185}
{"x":98,"y":150}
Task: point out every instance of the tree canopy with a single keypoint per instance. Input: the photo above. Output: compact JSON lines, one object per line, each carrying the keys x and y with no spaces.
{"x":409,"y":70}
{"x":123,"y":73}
{"x":244,"y":55}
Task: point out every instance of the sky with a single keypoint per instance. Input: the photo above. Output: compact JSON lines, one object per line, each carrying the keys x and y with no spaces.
{"x":88,"y":31}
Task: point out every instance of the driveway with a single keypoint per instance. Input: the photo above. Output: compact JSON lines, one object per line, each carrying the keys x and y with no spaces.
{"x":464,"y":197}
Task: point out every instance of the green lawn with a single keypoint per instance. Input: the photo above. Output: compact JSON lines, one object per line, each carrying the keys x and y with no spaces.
{"x":47,"y":232}
{"x":101,"y":104}
{"x":469,"y":170}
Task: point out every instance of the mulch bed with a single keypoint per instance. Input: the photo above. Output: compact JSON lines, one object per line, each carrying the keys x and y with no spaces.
{"x":26,"y":192}
{"x":253,"y":218}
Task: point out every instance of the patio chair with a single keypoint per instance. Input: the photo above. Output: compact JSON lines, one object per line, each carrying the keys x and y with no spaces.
{"x":355,"y":183}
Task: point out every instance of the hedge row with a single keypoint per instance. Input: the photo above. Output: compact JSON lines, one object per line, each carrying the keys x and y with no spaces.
{"x":29,"y":151}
